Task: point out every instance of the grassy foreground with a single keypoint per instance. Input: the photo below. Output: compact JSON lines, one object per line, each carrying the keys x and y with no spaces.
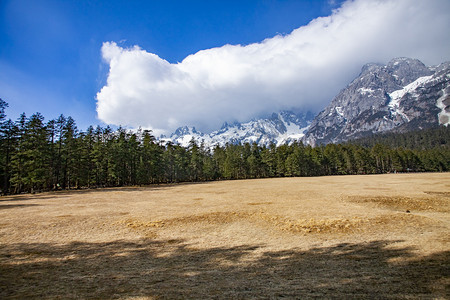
{"x":376,"y":236}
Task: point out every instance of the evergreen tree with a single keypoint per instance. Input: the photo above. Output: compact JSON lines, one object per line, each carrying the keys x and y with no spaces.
{"x":30,"y":162}
{"x":8,"y":138}
{"x":219,"y":156}
{"x":8,"y":145}
{"x":195,"y":162}
{"x":69,"y":153}
{"x":35,"y":156}
{"x":254,"y":162}
{"x":268,"y":159}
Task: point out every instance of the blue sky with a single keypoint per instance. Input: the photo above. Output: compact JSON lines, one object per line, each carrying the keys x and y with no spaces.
{"x":50,"y":58}
{"x":54,"y":60}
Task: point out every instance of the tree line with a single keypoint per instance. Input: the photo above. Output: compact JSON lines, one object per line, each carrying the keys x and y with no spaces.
{"x":421,"y":139}
{"x":41,"y":156}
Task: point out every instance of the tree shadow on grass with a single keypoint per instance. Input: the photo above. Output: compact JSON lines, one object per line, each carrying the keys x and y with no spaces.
{"x":8,"y":206}
{"x":27,"y":197}
{"x":172,"y":269}
{"x":82,"y":191}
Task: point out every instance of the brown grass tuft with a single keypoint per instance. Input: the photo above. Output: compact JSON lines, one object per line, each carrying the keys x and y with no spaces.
{"x":408,"y":203}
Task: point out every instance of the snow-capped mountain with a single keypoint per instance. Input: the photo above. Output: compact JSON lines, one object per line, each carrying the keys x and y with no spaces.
{"x":280,"y":128}
{"x":401,"y":96}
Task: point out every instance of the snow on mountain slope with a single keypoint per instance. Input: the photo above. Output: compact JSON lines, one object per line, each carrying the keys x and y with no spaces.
{"x":280,"y":128}
{"x":444,"y":105}
{"x":397,"y":95}
{"x":401,"y":96}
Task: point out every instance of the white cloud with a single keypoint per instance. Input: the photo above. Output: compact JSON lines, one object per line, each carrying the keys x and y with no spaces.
{"x":304,"y":69}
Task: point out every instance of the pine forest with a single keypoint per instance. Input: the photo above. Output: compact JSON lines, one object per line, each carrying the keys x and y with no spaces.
{"x":41,"y":156}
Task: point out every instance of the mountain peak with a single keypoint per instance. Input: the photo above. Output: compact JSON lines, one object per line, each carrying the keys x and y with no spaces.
{"x":403,"y":60}
{"x":402,"y":95}
{"x":370,"y":67}
{"x":407,"y":70}
{"x":184,"y":130}
{"x":280,"y":128}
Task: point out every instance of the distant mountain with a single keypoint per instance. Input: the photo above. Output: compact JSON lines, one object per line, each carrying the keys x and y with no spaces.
{"x":402,"y":96}
{"x":280,"y":128}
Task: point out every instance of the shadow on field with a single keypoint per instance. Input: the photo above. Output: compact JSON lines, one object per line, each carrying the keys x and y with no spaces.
{"x":26,"y":197}
{"x":172,"y":269}
{"x":8,"y":206}
{"x":65,"y":193}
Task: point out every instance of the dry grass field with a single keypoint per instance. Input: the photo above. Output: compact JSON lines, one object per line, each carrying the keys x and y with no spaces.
{"x":376,"y":236}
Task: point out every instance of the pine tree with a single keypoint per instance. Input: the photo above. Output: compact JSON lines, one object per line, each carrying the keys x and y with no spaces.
{"x":8,"y":147}
{"x":69,"y":153}
{"x":31,"y":161}
{"x":219,"y":157}
{"x":195,"y":161}
{"x":86,"y":142}
{"x":268,"y":159}
{"x":254,"y":161}
{"x":8,"y":139}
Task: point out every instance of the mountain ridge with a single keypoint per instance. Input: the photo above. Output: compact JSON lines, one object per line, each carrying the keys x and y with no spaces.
{"x":401,"y":96}
{"x":279,"y":128}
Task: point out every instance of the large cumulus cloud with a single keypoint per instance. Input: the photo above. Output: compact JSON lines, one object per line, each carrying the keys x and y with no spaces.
{"x":302,"y":70}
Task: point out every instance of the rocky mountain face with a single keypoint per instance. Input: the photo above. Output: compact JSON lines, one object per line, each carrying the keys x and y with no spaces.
{"x":404,"y":95}
{"x":401,"y":96}
{"x":280,"y":128}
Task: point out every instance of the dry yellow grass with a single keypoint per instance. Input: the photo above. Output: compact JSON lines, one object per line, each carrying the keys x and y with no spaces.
{"x":378,"y":236}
